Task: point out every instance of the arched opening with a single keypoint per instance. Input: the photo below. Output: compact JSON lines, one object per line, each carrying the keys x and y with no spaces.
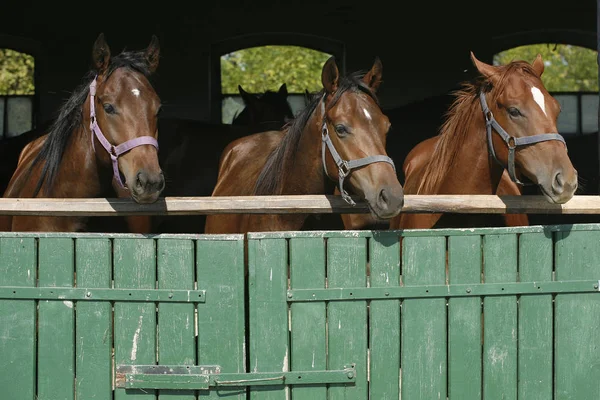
{"x":268,"y":68}
{"x":17,"y":90}
{"x":571,"y":76}
{"x":276,"y":46}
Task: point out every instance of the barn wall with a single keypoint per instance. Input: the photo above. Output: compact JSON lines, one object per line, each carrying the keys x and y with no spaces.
{"x":424,"y":49}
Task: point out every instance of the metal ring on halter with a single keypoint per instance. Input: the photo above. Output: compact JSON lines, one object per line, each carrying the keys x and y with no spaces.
{"x":511,"y":142}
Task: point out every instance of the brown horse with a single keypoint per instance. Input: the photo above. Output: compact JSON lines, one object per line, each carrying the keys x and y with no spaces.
{"x":473,"y":149}
{"x":106,"y":132}
{"x":299,"y":159}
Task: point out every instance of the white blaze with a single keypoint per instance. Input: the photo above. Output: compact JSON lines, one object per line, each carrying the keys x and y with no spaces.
{"x":367,"y":114}
{"x":538,"y":96}
{"x":136,"y":92}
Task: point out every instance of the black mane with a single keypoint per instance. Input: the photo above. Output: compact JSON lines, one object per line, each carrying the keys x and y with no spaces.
{"x":70,"y":117}
{"x":270,"y":178}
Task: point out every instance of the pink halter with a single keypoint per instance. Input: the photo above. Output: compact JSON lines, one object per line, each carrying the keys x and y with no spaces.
{"x":114,"y":151}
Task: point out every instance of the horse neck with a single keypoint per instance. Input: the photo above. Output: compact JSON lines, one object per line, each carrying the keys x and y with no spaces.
{"x":473,"y":171}
{"x":303,"y":171}
{"x":80,"y":175}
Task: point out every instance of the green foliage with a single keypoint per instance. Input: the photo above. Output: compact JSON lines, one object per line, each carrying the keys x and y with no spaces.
{"x":259,"y":69}
{"x":16,"y":73}
{"x":567,"y":68}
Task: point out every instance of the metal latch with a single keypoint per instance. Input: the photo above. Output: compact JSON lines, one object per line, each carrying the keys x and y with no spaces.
{"x":203,"y":377}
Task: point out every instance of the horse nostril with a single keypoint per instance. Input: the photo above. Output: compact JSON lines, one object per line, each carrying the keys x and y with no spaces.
{"x":558,"y":183}
{"x":383,"y":198}
{"x":161,"y":182}
{"x":138,"y":180}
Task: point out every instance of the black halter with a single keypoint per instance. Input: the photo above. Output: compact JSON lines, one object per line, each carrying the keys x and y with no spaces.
{"x":511,"y":142}
{"x":344,"y":167}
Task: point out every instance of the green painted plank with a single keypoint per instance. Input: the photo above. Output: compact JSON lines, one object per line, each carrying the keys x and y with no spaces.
{"x":430,"y":232}
{"x":221,"y":320}
{"x":135,"y":323}
{"x":464,"y":320}
{"x":577,"y":318}
{"x":500,"y":320}
{"x":176,"y":337}
{"x":535,"y":319}
{"x":269,"y":350}
{"x":384,"y":318}
{"x":423,"y":321}
{"x":93,"y":322}
{"x":347,"y":321}
{"x":17,"y":320}
{"x":308,"y":332}
{"x":56,"y":322}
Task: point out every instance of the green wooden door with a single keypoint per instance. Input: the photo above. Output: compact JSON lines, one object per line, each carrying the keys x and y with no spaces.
{"x":449,"y":314}
{"x":494,"y":313}
{"x":76,"y":308}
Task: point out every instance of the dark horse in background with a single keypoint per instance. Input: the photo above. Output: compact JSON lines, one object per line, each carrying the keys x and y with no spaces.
{"x":264,"y":110}
{"x":191,"y":158}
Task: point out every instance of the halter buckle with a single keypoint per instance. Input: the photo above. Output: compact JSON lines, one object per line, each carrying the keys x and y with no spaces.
{"x":489,"y":116}
{"x":113,"y":151}
{"x":344,"y":170}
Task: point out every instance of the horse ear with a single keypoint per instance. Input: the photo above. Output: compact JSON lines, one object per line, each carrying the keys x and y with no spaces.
{"x":283,"y":90}
{"x":247,"y":97}
{"x":330,"y":75}
{"x":373,"y":77}
{"x":487,"y":70}
{"x":153,"y":53}
{"x":101,"y":53}
{"x":538,"y":65}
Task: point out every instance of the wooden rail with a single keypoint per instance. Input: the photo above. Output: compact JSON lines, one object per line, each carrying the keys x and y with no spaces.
{"x":307,"y":204}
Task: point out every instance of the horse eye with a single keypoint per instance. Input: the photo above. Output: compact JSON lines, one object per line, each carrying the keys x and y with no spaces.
{"x":514,"y":112}
{"x":108,"y":108}
{"x":341,"y":130}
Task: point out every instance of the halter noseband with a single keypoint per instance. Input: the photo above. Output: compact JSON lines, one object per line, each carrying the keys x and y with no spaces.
{"x":345,"y":167}
{"x":511,"y":142}
{"x":114,"y":151}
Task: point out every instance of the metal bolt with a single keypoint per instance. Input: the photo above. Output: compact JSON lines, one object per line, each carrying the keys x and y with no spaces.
{"x":350,"y":375}
{"x":387,"y":293}
{"x":596,"y":286}
{"x":170,"y":295}
{"x":468,"y":290}
{"x":88,"y":294}
{"x":289,"y":295}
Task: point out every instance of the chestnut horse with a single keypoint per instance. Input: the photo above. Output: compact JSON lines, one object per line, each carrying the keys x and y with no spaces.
{"x":105,"y":133}
{"x":474,"y":148}
{"x":301,"y":158}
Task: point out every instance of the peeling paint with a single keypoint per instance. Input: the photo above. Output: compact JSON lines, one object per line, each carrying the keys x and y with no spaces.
{"x":68,"y":303}
{"x":136,"y":338}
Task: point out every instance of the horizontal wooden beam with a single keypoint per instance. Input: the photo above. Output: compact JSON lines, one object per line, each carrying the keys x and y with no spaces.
{"x":307,"y":204}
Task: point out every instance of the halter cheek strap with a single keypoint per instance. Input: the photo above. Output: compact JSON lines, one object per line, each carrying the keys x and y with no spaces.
{"x":114,"y":151}
{"x":345,"y":167}
{"x":511,"y":142}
